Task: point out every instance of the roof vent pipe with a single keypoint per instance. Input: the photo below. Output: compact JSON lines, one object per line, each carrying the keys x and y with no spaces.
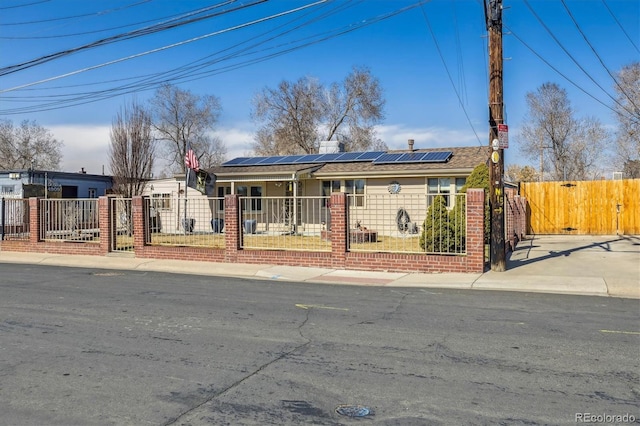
{"x":411,"y":144}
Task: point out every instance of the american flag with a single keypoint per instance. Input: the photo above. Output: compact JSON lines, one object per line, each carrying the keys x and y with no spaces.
{"x":191,"y":161}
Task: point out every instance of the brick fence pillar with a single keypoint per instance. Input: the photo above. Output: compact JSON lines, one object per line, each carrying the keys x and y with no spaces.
{"x":521,"y":226}
{"x":139,"y":222}
{"x":34,"y":220}
{"x":475,"y":230}
{"x":232,"y":229}
{"x":339,"y":229}
{"x":104,"y":222}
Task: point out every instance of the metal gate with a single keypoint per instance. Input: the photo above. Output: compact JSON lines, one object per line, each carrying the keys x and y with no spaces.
{"x":121,"y":224}
{"x":604,"y":207}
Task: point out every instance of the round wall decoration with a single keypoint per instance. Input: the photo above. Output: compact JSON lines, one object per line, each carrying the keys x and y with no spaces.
{"x":394,"y":187}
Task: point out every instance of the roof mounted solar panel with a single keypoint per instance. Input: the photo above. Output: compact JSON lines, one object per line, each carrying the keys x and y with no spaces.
{"x":236,"y":161}
{"x":310,"y":158}
{"x":369,"y":156}
{"x":387,"y":158}
{"x":411,"y":157}
{"x":347,"y":156}
{"x":270,"y":160}
{"x":288,"y":159}
{"x":437,"y":157}
{"x":329,"y":157}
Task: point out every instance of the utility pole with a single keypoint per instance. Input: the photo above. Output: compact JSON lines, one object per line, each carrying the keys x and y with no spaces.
{"x":493,"y":14}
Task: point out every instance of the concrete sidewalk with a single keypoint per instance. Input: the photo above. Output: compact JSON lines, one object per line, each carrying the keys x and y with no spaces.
{"x":602,"y":266}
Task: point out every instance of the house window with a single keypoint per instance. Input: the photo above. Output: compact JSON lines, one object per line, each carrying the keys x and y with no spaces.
{"x":222,"y":191}
{"x":460,"y":182}
{"x":93,"y":193}
{"x":255,"y":193}
{"x":8,"y":189}
{"x":161,"y":201}
{"x":329,"y":186}
{"x":355,"y":187}
{"x":439,"y":186}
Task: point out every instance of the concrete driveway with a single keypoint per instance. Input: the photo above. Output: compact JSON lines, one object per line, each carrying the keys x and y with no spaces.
{"x":603,"y":263}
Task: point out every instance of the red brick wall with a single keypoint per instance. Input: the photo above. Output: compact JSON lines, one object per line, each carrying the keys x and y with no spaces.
{"x":515,"y":218}
{"x":339,"y":257}
{"x":35,"y":245}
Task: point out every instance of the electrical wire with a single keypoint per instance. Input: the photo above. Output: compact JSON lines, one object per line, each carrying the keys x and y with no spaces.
{"x":96,"y":96}
{"x":620,"y":25}
{"x":526,"y":2}
{"x":435,"y":40}
{"x":615,"y":80}
{"x":125,"y":36}
{"x":576,"y":85}
{"x":64,"y":18}
{"x":23,"y":5}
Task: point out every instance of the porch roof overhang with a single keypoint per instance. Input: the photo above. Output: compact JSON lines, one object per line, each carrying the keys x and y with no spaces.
{"x":394,"y":173}
{"x":269,"y":175}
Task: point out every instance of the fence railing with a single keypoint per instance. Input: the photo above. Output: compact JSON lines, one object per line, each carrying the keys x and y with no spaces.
{"x":411,"y":223}
{"x":179,"y":221}
{"x":285,"y":223}
{"x":14,"y":218}
{"x":69,"y":220}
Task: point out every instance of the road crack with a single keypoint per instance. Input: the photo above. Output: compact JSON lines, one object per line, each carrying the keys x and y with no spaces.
{"x":247,"y":377}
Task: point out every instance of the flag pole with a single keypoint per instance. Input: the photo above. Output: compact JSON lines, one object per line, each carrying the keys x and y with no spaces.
{"x":186,"y":185}
{"x":186,"y":191}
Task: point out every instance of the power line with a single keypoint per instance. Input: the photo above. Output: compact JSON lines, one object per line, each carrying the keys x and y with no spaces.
{"x":435,"y":40}
{"x":576,"y":85}
{"x":526,"y":2}
{"x":23,"y":5}
{"x":615,"y":80}
{"x":125,"y":36}
{"x":64,"y":18}
{"x":620,"y":25}
{"x":161,"y":78}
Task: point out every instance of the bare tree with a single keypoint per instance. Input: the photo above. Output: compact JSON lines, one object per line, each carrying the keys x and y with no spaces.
{"x":132,"y":150}
{"x":567,"y":147}
{"x":291,"y":115}
{"x":182,"y":118}
{"x":516,"y":173}
{"x":296,"y":116}
{"x":28,"y":146}
{"x":627,"y":113}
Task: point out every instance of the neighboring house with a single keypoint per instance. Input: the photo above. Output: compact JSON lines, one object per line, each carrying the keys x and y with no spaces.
{"x":52,"y":184}
{"x":167,"y":204}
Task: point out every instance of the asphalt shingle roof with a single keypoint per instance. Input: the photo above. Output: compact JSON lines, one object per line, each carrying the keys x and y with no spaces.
{"x":462,"y":158}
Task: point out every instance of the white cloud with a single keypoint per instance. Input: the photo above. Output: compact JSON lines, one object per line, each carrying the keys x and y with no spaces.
{"x":396,"y":137}
{"x":238,"y":139}
{"x":84,"y":146}
{"x":88,"y":146}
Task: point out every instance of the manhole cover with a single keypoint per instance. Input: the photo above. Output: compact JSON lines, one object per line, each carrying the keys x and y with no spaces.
{"x":354,"y":410}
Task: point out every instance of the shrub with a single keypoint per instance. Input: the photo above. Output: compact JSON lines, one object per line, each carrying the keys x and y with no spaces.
{"x":437,"y":235}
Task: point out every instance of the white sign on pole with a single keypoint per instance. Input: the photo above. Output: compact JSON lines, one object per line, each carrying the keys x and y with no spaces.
{"x":503,"y":135}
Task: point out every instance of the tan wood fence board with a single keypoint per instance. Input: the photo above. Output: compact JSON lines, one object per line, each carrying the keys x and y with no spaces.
{"x":604,"y":207}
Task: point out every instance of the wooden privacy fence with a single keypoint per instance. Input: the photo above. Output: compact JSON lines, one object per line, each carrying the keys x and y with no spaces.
{"x":602,"y":207}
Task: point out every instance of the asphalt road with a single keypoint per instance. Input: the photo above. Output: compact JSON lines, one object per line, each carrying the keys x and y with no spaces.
{"x":98,"y":347}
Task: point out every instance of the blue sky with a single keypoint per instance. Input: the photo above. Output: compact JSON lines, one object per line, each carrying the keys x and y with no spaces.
{"x":431,"y":61}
